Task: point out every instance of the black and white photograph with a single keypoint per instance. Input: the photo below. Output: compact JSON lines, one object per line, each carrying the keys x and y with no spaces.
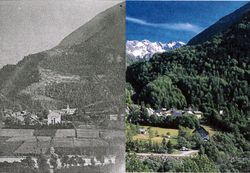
{"x":62,"y":83}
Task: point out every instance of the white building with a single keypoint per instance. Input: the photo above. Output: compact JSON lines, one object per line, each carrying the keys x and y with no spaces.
{"x":198,"y":114}
{"x":113,"y":117}
{"x":54,"y":117}
{"x":150,"y":111}
{"x":69,"y":111}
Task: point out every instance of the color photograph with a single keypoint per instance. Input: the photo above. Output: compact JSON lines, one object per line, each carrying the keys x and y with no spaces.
{"x":187,"y":86}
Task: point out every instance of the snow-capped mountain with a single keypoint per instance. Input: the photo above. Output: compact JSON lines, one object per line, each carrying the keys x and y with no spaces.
{"x":144,"y":50}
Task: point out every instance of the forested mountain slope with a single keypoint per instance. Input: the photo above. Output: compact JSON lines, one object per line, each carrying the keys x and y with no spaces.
{"x":213,"y":76}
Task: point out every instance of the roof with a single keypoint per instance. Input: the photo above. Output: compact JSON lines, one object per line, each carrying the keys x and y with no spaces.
{"x":69,"y":111}
{"x":202,"y":131}
{"x":198,"y":112}
{"x":142,"y":130}
{"x":55,"y":114}
{"x":177,"y":113}
{"x":21,"y":118}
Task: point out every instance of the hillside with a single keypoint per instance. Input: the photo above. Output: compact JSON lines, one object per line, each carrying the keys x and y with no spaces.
{"x":213,"y":77}
{"x":84,"y":70}
{"x":221,"y":26}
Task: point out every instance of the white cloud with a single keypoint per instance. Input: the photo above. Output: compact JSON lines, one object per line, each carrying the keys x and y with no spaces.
{"x":172,"y":26}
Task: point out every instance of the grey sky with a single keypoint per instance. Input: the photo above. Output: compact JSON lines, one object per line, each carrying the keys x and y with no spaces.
{"x":30,"y":26}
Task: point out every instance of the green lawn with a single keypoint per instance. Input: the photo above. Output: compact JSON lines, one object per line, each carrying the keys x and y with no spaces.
{"x":173,"y":133}
{"x":164,"y":131}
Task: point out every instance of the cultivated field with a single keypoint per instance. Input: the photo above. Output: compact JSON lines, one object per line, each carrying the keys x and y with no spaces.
{"x":28,"y":141}
{"x":8,"y":148}
{"x":33,"y":148}
{"x":29,"y":138}
{"x":87,"y":133}
{"x":63,"y":133}
{"x":16,"y":132}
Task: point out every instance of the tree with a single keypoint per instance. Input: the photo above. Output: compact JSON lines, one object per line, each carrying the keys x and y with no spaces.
{"x":152,"y":164}
{"x":162,"y":93}
{"x":189,"y":121}
{"x":128,"y":97}
{"x":184,"y":132}
{"x":9,"y":121}
{"x":29,"y":162}
{"x":81,"y":161}
{"x":204,"y":164}
{"x":189,"y":165}
{"x":170,"y":147}
{"x":53,"y":161}
{"x":134,"y":114}
{"x":196,"y":140}
{"x":42,"y":163}
{"x":164,"y":143}
{"x":182,"y":142}
{"x":144,"y":113}
{"x":133,"y":164}
{"x":202,"y":150}
{"x":72,"y":161}
{"x":65,"y":160}
{"x":27,"y":120}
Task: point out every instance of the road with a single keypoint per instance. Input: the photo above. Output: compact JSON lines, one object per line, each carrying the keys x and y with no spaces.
{"x":182,"y":154}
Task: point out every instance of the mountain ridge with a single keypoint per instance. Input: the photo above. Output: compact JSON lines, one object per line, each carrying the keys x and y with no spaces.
{"x":97,"y":59}
{"x":220,"y":26}
{"x":143,"y":50}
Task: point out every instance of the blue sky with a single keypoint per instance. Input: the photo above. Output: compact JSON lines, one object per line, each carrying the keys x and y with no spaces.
{"x":173,"y":20}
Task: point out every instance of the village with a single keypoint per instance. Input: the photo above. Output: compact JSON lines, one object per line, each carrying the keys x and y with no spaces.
{"x":59,"y":138}
{"x":175,"y":112}
{"x":61,"y":118}
{"x":166,"y":133}
{"x":25,"y":118}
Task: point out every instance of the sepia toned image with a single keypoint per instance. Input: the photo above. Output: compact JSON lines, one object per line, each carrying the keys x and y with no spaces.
{"x":62,"y":82}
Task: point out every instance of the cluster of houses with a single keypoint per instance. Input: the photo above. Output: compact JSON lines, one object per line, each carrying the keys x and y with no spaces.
{"x":20,"y":116}
{"x":53,"y":117}
{"x":175,"y":112}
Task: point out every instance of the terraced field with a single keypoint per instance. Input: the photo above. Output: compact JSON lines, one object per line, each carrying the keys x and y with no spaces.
{"x":23,"y":142}
{"x":16,"y":132}
{"x":8,"y":148}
